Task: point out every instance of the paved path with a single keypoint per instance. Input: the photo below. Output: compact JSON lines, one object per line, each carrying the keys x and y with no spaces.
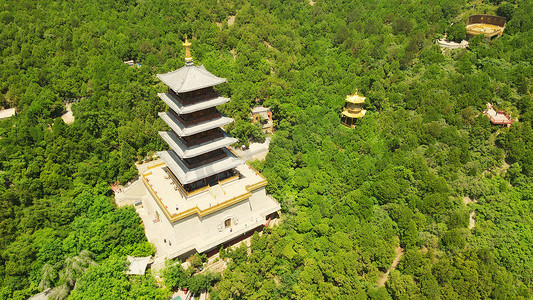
{"x":154,"y":231}
{"x":472,"y":222}
{"x":255,"y":151}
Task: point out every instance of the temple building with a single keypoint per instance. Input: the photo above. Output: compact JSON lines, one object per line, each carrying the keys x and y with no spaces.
{"x":489,"y":26}
{"x":497,"y":117}
{"x":203,"y":194}
{"x":353,"y":109}
{"x":263,"y":116}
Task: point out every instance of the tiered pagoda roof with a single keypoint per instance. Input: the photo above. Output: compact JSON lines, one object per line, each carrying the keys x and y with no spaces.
{"x":187,"y":152}
{"x":355,"y":98}
{"x":186,"y":175}
{"x":183,"y":130}
{"x":190,"y":78}
{"x":198,"y":144}
{"x":353,"y":109}
{"x":180,"y":109}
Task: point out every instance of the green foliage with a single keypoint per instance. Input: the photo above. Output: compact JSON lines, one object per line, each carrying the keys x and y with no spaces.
{"x":174,"y":275}
{"x":109,"y":281}
{"x":457,"y":32}
{"x":505,"y":10}
{"x":197,"y":260}
{"x":246,"y":132}
{"x":349,"y":197}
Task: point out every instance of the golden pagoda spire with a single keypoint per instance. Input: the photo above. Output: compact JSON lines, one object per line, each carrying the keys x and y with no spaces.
{"x":188,"y":58}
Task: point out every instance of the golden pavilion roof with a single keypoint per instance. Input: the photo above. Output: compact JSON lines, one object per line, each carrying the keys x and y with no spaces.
{"x":487,"y":25}
{"x":355,"y":98}
{"x":352,"y":114}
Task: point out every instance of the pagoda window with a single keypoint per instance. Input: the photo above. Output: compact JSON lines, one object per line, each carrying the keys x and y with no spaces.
{"x":227,"y":223}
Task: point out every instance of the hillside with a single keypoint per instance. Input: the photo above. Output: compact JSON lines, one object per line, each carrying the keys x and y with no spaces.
{"x":349,"y":197}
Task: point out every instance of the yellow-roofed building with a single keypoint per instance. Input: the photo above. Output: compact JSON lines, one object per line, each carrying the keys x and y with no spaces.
{"x":353,"y":109}
{"x":489,"y":26}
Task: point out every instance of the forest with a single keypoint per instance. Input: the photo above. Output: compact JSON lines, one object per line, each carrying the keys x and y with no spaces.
{"x":409,"y":175}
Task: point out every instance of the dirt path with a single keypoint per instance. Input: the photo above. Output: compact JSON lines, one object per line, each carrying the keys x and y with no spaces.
{"x":383,"y":278}
{"x":68,"y":117}
{"x":472,"y":220}
{"x":231,"y":20}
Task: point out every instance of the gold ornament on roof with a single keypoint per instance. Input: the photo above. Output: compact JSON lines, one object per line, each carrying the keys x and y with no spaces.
{"x":188,"y":58}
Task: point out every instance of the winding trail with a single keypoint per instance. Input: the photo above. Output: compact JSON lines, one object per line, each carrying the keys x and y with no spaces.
{"x":384,"y":277}
{"x":472,"y":221}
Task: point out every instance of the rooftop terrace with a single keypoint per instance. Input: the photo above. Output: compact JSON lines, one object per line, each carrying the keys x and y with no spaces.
{"x":176,"y":206}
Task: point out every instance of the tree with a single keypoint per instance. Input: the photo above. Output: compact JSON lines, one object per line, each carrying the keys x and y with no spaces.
{"x":457,"y":32}
{"x":174,"y":275}
{"x":71,"y":270}
{"x":505,"y":10}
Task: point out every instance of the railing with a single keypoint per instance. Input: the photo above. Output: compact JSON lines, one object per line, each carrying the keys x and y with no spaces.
{"x":183,"y":190}
{"x":194,"y":121}
{"x":196,"y":210}
{"x":192,"y":100}
{"x":196,"y":163}
{"x":354,"y":111}
{"x":202,"y":140}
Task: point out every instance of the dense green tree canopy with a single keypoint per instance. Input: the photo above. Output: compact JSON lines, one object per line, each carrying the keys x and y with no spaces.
{"x":349,"y":197}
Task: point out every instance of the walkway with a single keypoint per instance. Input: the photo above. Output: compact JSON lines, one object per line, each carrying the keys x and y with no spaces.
{"x":256,"y":151}
{"x":154,"y":231}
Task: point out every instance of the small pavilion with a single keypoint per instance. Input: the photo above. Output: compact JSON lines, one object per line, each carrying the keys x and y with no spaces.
{"x":499,"y":117}
{"x":263,"y":116}
{"x":353,"y":109}
{"x":489,"y":26}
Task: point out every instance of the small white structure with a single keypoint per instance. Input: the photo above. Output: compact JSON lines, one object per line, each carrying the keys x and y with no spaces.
{"x":7,"y":113}
{"x":137,"y":265}
{"x":263,"y":115}
{"x":132,"y":63}
{"x":451,"y":44}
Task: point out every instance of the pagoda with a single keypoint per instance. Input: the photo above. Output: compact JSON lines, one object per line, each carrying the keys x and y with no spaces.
{"x":203,"y":194}
{"x":199,"y":156}
{"x":353,"y":109}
